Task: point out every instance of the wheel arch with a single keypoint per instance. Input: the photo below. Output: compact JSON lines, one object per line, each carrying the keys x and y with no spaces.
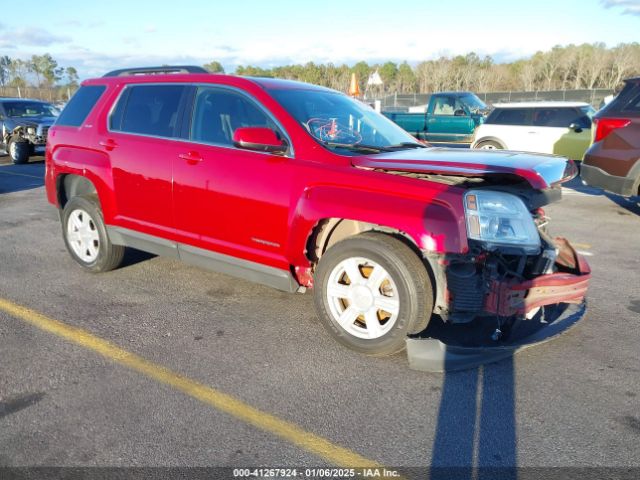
{"x":71,"y":185}
{"x":490,"y":138}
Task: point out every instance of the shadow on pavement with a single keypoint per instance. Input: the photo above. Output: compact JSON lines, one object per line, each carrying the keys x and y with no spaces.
{"x":16,"y":178}
{"x":133,"y":257}
{"x":632,"y":204}
{"x":476,"y":430}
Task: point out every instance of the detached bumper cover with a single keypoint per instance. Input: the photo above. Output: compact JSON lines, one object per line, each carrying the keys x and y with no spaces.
{"x":569,"y":285}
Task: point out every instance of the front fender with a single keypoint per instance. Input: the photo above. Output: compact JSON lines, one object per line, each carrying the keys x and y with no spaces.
{"x":435,"y":225}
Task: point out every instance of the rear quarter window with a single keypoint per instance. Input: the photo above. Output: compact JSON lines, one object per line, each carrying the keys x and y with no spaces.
{"x":560,"y":117}
{"x":510,"y":116}
{"x":76,"y":111}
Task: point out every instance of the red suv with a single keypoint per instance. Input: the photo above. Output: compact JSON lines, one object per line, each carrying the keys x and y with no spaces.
{"x":298,"y":186}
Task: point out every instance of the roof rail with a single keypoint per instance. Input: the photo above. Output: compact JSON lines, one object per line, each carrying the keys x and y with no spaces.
{"x":155,"y":70}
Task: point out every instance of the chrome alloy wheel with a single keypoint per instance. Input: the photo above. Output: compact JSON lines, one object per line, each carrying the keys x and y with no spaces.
{"x":488,"y":146}
{"x":13,"y":150}
{"x":363,"y":298}
{"x":82,"y":235}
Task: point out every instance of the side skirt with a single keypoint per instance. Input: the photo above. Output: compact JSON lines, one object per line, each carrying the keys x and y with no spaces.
{"x":199,"y":257}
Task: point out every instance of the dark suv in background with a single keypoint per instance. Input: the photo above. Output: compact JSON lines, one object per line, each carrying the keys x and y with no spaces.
{"x":613,"y":160}
{"x":24,"y":124}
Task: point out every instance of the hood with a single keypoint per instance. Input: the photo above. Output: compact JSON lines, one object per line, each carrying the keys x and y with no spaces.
{"x":541,"y":171}
{"x":30,"y":121}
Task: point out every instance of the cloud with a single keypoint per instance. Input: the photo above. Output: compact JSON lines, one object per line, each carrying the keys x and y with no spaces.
{"x":150,"y":29}
{"x":36,"y":37}
{"x":71,"y":23}
{"x":629,"y":7}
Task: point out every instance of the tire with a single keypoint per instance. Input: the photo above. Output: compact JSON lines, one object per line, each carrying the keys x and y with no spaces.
{"x":18,"y":151}
{"x":401,"y":284}
{"x":86,"y":237}
{"x":489,"y":145}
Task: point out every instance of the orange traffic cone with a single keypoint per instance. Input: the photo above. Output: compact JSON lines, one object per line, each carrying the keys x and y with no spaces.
{"x":354,"y":88}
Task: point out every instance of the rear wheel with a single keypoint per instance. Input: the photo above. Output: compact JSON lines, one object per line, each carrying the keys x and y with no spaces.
{"x":489,"y":145}
{"x":371,"y":291}
{"x":86,"y":237}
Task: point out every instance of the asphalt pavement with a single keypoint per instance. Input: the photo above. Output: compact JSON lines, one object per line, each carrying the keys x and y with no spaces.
{"x":572,"y":402}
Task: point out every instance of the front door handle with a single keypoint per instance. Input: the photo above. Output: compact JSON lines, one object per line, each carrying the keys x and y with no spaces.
{"x":191,"y":157}
{"x":108,"y":144}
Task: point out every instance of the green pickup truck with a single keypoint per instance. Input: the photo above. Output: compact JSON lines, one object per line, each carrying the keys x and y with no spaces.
{"x":450,"y":117}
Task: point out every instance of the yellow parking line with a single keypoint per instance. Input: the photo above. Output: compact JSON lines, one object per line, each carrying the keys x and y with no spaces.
{"x":236,"y":408}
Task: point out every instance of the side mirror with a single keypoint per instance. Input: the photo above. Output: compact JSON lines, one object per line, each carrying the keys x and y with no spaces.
{"x":460,"y":113}
{"x":260,"y":139}
{"x":575,"y":127}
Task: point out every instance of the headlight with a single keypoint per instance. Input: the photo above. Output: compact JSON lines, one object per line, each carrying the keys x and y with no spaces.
{"x":31,"y":130}
{"x":500,"y":219}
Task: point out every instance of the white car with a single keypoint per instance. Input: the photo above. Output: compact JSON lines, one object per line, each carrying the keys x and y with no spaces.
{"x":561,"y":128}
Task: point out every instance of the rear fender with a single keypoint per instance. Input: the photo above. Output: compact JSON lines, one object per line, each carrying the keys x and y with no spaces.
{"x":91,"y":165}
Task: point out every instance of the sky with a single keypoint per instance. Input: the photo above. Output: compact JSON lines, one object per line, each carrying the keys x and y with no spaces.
{"x":99,"y":36}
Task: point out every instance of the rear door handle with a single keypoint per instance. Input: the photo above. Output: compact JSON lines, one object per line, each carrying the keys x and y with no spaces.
{"x":191,"y":157}
{"x":108,"y":144}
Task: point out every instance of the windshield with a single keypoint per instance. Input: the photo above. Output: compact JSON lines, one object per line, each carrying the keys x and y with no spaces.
{"x":474,"y":103}
{"x":29,"y":109}
{"x":340,"y":122}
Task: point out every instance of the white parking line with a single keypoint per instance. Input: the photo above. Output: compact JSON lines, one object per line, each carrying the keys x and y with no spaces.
{"x":21,"y":174}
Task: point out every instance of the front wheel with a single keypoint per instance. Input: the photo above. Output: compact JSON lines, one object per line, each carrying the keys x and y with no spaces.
{"x":86,"y":237}
{"x":18,"y":151}
{"x":371,"y":291}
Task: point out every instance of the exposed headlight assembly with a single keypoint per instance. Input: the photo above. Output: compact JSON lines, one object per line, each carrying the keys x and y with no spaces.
{"x":31,"y":130}
{"x":500,"y":219}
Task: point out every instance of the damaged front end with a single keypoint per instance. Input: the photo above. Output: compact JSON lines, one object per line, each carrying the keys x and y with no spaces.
{"x":501,"y":296}
{"x":35,"y":134}
{"x":513,"y":267}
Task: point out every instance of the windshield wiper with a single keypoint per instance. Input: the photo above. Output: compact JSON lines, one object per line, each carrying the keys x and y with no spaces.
{"x":403,"y":145}
{"x":355,"y":147}
{"x":375,"y":148}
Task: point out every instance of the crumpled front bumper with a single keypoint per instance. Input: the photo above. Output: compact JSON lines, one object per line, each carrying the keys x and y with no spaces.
{"x":568,"y":285}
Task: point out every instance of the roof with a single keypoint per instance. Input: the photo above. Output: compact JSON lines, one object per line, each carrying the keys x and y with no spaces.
{"x":282,"y":84}
{"x":540,"y":104}
{"x":212,"y":78}
{"x":456,"y":93}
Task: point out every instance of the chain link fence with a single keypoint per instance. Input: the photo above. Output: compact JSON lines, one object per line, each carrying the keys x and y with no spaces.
{"x":595,"y":97}
{"x":395,"y":102}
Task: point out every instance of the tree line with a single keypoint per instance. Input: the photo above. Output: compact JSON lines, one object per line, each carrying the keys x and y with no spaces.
{"x":40,"y":71}
{"x":570,"y":67}
{"x":585,"y":66}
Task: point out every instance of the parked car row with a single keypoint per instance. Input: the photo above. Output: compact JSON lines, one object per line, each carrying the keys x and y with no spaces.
{"x":609,"y":141}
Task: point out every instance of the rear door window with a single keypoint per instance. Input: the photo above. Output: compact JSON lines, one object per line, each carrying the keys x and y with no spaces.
{"x":510,"y":116}
{"x":149,"y":110}
{"x":78,"y":108}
